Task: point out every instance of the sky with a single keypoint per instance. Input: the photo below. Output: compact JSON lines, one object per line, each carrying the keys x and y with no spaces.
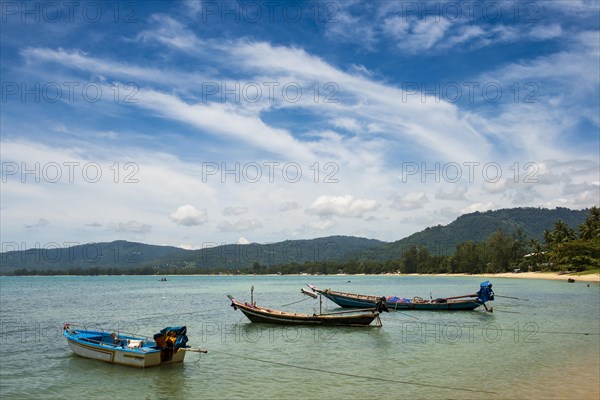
{"x":195,"y":123}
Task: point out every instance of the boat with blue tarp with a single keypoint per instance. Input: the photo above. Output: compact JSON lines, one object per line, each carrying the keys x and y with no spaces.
{"x":465,"y":303}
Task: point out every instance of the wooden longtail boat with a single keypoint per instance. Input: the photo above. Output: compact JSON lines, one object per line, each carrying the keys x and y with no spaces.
{"x":343,"y":318}
{"x":167,"y":346}
{"x":466,"y":302}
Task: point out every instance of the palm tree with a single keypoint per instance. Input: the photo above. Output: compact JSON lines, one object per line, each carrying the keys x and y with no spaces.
{"x":561,"y":233}
{"x":538,"y":252}
{"x":590,"y":229}
{"x":555,"y":239}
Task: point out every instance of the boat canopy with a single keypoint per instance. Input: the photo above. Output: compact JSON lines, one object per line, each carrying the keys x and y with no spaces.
{"x":173,"y":337}
{"x":485,"y":292}
{"x":396,"y":299}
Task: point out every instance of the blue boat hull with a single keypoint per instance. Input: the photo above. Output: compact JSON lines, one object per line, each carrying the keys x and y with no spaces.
{"x":140,"y":352}
{"x":351,"y":302}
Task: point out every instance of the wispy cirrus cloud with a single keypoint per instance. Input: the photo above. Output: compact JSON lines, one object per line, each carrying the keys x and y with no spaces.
{"x":366,"y":112}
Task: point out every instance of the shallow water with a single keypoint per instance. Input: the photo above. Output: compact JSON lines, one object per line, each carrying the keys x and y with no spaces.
{"x":524,"y":349}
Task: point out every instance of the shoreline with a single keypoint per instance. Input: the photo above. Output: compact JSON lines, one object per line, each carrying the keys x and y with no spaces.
{"x":555,"y":276}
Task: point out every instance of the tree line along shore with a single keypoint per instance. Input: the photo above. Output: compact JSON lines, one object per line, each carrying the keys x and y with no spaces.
{"x":563,"y":250}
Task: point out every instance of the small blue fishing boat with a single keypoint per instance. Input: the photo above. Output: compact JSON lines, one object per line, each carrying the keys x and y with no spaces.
{"x":466,"y":302}
{"x":167,"y":346}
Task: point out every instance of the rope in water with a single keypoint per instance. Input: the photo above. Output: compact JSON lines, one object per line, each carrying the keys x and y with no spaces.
{"x":352,"y":375}
{"x":558,"y":333}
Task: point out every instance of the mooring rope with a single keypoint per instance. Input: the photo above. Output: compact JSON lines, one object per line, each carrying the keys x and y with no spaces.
{"x":430,"y":385}
{"x":179,"y":314}
{"x":295,"y":302}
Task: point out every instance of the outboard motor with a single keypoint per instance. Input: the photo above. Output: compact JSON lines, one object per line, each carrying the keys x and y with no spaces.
{"x":381,"y":305}
{"x":171,"y":339}
{"x":485,"y":292}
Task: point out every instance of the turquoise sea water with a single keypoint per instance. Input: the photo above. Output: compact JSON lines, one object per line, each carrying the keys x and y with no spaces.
{"x":532,"y":349}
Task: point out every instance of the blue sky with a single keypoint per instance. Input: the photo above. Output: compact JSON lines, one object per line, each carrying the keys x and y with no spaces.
{"x":191,"y":123}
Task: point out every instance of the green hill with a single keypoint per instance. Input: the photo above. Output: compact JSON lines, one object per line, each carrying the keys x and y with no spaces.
{"x":118,"y":256}
{"x":237,"y":256}
{"x":476,"y":227}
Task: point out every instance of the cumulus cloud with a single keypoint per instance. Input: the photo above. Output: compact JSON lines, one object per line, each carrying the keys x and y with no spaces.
{"x":342,"y":206}
{"x":243,"y":240}
{"x":582,"y":195}
{"x":409,"y":201}
{"x":131,"y":226}
{"x":242,"y":225}
{"x":188,"y":215}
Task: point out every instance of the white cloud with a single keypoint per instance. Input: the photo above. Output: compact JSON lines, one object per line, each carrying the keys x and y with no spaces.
{"x":170,"y":32}
{"x":342,"y":206}
{"x":409,"y":201}
{"x":544,"y":32}
{"x":188,"y":215}
{"x":243,"y":240}
{"x":477,"y":207}
{"x":399,"y":127}
{"x":189,"y":246}
{"x":225,"y":120}
{"x":415,"y":34}
{"x":352,"y":28}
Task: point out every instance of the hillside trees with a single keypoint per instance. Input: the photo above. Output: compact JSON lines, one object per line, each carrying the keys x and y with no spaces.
{"x":570,"y":252}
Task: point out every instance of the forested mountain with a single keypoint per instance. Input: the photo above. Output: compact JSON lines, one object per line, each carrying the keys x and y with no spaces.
{"x":121,"y":255}
{"x":257,"y":256}
{"x":130,"y":257}
{"x":477,"y":227}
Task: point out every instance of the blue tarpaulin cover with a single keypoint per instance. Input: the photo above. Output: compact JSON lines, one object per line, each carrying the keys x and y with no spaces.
{"x":180,"y":331}
{"x":485,"y":292}
{"x":395,"y":299}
